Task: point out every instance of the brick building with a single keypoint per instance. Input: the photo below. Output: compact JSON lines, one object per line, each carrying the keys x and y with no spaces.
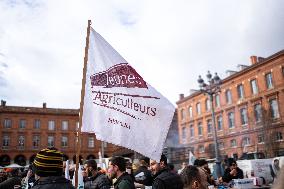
{"x":26,"y":130}
{"x":249,"y":112}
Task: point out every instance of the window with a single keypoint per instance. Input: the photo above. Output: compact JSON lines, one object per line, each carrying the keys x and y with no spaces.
{"x":219,"y":123}
{"x":233,"y":143}
{"x":209,"y":126}
{"x":268,"y":80}
{"x":36,"y":141}
{"x":241,"y":93}
{"x":221,"y":145}
{"x":77,"y":125}
{"x":207,"y":105}
{"x":198,"y":108}
{"x":200,"y":129}
{"x":50,"y":141}
{"x":51,"y":125}
{"x":257,"y":112}
{"x":7,"y":123}
{"x":190,"y":111}
{"x":201,"y":149}
{"x":64,"y":141}
{"x":228,"y":96}
{"x":91,"y":142}
{"x":22,"y":124}
{"x":244,"y":117}
{"x":246,"y":141}
{"x":211,"y":147}
{"x":6,"y":141}
{"x":105,"y":144}
{"x":191,"y":131}
{"x":37,"y":124}
{"x":64,"y":125}
{"x":183,"y":134}
{"x":231,"y":120}
{"x":254,"y":88}
{"x":182,"y":114}
{"x":260,"y":139}
{"x":278,"y":136}
{"x":21,"y":141}
{"x":274,"y":108}
{"x":217,"y":100}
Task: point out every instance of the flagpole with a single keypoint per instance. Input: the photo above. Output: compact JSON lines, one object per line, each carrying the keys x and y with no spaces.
{"x":82,"y":103}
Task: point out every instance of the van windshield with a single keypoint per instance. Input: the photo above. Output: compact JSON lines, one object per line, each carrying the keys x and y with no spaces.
{"x":254,"y":156}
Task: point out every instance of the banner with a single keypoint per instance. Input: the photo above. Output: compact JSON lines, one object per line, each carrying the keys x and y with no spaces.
{"x":120,"y":107}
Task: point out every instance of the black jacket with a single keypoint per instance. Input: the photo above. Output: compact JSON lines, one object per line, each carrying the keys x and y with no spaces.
{"x":100,"y":181}
{"x":227,"y":177}
{"x":10,"y":182}
{"x":143,"y":176}
{"x":53,"y":182}
{"x":125,"y":181}
{"x":165,"y":179}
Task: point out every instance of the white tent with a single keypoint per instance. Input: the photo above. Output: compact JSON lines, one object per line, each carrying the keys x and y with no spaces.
{"x":14,"y":165}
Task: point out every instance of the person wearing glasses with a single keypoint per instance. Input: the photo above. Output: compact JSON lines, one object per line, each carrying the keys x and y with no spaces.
{"x":232,"y":172}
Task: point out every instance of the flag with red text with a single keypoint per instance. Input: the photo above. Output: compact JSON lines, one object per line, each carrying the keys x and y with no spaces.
{"x":120,"y":107}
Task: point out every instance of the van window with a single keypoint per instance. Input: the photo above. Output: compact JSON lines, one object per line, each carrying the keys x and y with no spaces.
{"x":254,"y":155}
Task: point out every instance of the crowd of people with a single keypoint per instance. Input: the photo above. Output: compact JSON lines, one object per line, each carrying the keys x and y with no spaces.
{"x":47,"y":171}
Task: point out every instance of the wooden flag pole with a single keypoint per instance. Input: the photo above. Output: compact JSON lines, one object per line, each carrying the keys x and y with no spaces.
{"x":82,"y":103}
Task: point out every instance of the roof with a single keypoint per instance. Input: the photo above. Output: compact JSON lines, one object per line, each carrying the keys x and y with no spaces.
{"x":37,"y":110}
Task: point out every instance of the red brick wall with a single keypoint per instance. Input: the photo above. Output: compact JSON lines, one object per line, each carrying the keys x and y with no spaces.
{"x":257,"y":71}
{"x":44,"y":115}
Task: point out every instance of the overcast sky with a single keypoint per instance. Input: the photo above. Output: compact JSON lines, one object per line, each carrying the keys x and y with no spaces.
{"x":169,"y":43}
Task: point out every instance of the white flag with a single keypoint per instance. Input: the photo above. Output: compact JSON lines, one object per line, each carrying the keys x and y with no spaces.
{"x":191,"y":158}
{"x":119,"y":106}
{"x":80,"y":178}
{"x":67,"y":176}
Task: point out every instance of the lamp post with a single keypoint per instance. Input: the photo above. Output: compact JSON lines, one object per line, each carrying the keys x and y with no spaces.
{"x":211,"y":89}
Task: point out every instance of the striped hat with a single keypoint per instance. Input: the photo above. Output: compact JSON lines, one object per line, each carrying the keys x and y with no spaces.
{"x":48,"y":162}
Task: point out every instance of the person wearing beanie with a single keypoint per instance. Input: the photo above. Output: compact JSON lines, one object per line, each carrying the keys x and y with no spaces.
{"x":205,"y":173}
{"x":232,"y":172}
{"x":163,"y":178}
{"x":48,"y":168}
{"x":94,"y":179}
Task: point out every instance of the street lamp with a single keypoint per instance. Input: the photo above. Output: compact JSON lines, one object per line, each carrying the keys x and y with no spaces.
{"x":212,"y":88}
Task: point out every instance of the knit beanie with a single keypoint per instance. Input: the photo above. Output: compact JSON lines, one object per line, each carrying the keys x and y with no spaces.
{"x":48,"y":162}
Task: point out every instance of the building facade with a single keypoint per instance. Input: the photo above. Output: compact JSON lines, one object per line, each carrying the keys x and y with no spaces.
{"x":26,"y":130}
{"x":248,"y":112}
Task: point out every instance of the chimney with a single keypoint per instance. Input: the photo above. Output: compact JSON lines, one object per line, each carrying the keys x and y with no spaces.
{"x":181,"y":96}
{"x":3,"y":103}
{"x":44,"y":105}
{"x":253,"y":59}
